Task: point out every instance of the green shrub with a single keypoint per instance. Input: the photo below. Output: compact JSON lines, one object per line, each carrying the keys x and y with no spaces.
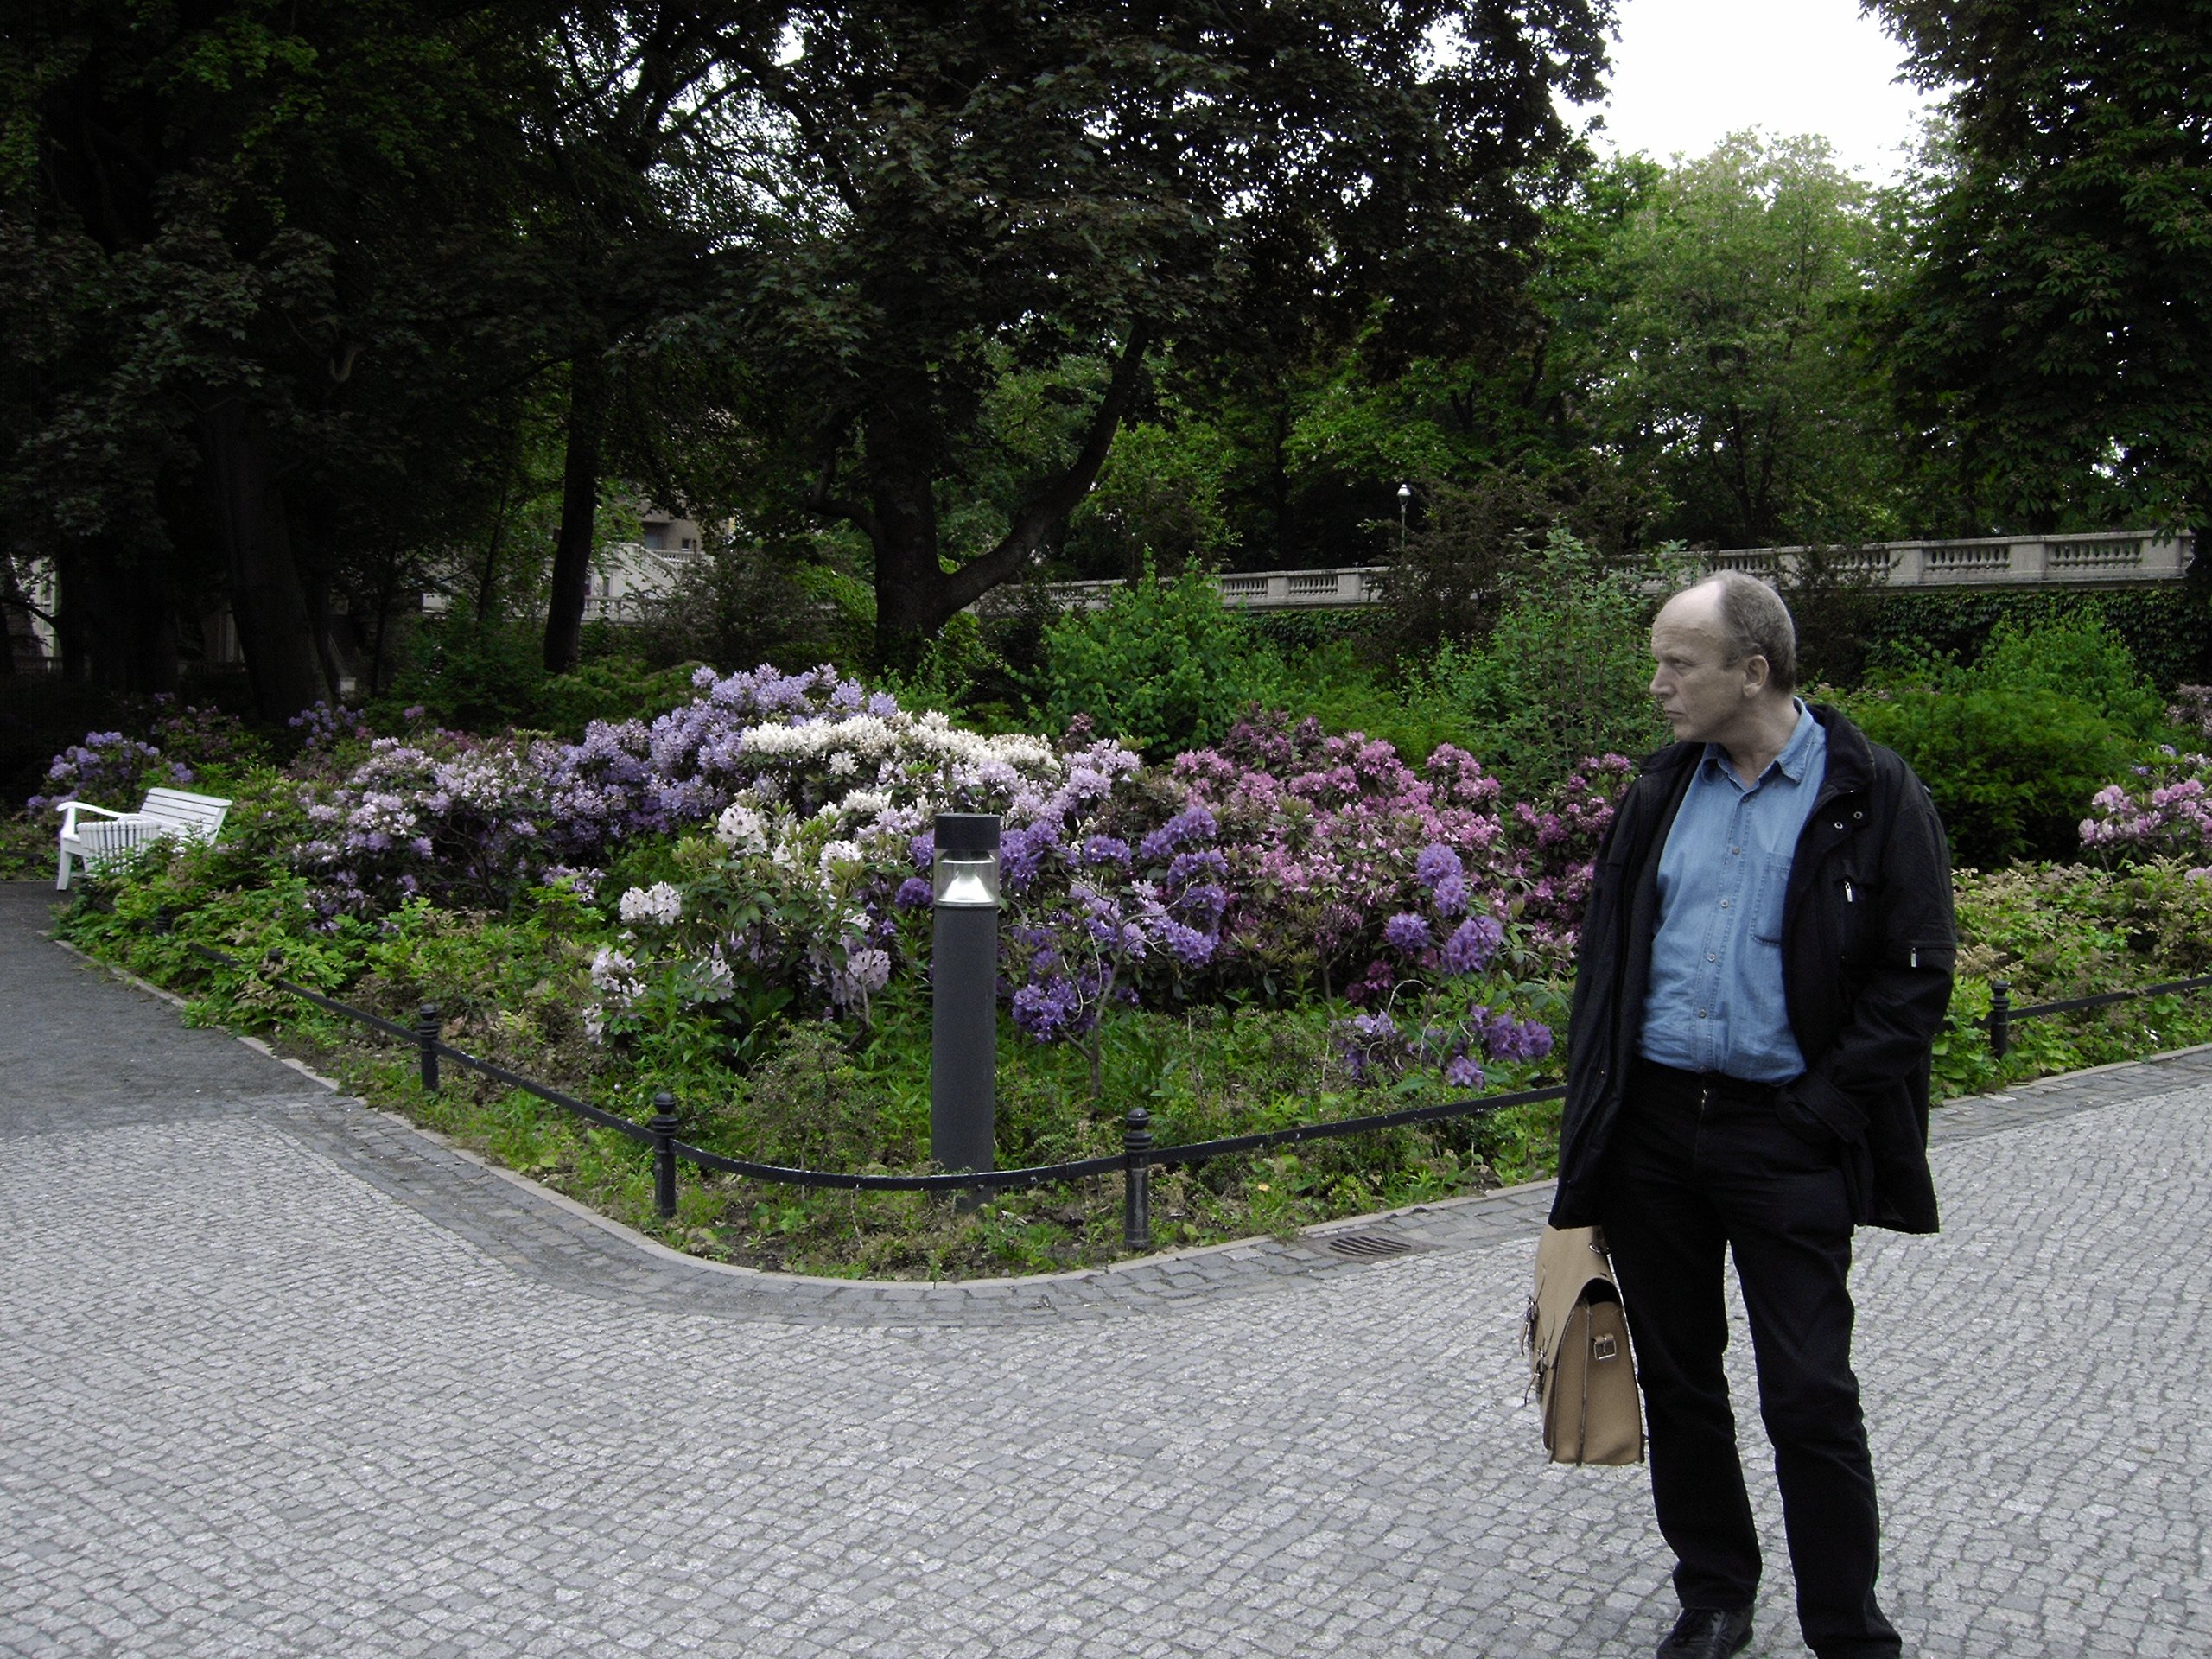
{"x":2012,"y":769}
{"x":2078,"y":656}
{"x":1565,"y":674}
{"x":492,"y":677}
{"x":1336,"y":681}
{"x":2056,"y":932}
{"x":612,"y":689}
{"x":2166,"y":629}
{"x":1161,"y":666}
{"x":471,"y":676}
{"x":2013,"y":744}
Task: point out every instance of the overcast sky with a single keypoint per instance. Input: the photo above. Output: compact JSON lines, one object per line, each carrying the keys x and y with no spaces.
{"x":1686,"y":72}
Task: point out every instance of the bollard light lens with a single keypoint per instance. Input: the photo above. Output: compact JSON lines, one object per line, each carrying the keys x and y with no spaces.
{"x":966,"y":883}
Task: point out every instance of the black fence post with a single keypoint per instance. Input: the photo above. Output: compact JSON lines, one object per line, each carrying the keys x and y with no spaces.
{"x":426,"y":1044}
{"x":2000,"y":1017}
{"x":1136,"y":1180}
{"x":664,"y":1126}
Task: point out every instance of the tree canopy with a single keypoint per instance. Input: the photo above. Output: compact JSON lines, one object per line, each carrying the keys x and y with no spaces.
{"x":953,"y":195}
{"x":309,"y":310}
{"x":2052,"y":340}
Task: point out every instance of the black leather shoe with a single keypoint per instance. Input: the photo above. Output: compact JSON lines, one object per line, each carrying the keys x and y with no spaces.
{"x":1704,"y":1634}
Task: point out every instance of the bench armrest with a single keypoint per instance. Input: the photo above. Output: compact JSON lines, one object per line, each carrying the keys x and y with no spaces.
{"x":70,"y":810}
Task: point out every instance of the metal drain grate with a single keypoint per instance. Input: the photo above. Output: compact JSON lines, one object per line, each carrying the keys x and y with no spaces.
{"x":1369,"y":1247}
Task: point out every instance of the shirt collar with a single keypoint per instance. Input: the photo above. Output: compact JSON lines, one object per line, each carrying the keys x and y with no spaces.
{"x":1796,"y":754}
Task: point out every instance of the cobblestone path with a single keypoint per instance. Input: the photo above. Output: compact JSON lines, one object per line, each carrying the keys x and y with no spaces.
{"x":278,"y":1375}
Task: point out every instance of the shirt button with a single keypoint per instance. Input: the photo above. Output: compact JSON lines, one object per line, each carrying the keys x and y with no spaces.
{"x":1736,"y":852}
{"x":1700,"y":1014}
{"x":1713,"y":955}
{"x":1723,"y":904}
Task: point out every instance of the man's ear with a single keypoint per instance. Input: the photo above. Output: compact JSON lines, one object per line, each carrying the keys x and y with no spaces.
{"x":1757,"y":671}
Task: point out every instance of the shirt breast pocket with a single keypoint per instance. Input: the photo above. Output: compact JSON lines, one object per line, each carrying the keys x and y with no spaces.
{"x":1769,"y":896}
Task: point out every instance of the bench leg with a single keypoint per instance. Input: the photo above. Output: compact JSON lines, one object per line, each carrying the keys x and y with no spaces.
{"x":62,"y":876}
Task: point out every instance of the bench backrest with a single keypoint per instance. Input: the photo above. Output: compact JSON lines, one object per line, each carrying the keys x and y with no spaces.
{"x":200,"y":815}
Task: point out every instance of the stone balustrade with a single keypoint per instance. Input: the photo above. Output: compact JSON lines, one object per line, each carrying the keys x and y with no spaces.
{"x":2099,"y":558}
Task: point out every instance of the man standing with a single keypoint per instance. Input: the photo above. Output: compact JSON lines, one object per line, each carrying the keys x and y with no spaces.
{"x":1765,"y":961}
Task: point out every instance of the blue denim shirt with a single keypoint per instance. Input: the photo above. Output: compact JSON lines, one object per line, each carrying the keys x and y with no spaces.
{"x":1715,"y":1002}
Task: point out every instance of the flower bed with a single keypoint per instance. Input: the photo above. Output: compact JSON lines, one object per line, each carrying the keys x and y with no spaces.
{"x":730,"y":902}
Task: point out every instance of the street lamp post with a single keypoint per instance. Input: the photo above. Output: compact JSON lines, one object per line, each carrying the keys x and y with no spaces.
{"x":1405,"y":500}
{"x":963,"y":990}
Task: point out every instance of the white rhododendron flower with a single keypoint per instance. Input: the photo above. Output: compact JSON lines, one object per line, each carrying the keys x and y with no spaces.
{"x":742,"y":829}
{"x":658,"y":903}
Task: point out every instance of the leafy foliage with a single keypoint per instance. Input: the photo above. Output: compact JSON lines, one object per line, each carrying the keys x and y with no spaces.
{"x":1564,"y":674}
{"x":1062,"y":191}
{"x":1734,"y":354}
{"x":2056,"y":932}
{"x":2015,"y":745}
{"x":2012,"y":772}
{"x":2079,"y":656}
{"x":1161,"y":665}
{"x":2055,"y":327}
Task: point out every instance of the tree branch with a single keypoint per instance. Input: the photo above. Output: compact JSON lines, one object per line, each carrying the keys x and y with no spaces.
{"x":1060,"y":497}
{"x":820,"y":499}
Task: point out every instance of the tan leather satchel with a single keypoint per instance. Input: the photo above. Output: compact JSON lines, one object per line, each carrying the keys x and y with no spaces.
{"x":1576,"y":1336}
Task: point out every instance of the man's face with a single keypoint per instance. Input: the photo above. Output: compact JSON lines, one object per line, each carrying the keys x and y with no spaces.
{"x":1702,"y":696}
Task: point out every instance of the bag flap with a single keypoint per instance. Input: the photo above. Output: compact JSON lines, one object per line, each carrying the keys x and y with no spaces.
{"x":1569,"y":1259}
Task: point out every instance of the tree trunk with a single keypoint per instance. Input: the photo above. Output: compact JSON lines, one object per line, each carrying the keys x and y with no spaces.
{"x":118,"y":619}
{"x":486,"y":584}
{"x":151,"y":628}
{"x":564,"y":619}
{"x":902,"y":495}
{"x":266,"y":599}
{"x":915,"y":596}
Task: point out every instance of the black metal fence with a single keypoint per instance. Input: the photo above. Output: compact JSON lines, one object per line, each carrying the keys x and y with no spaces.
{"x":1135,"y":1162}
{"x":2003,"y":1015}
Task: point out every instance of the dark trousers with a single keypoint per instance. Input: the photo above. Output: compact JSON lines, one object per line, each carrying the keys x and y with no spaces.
{"x":1698,"y":1165}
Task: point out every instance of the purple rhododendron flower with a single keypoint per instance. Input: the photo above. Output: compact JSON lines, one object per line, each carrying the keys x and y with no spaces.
{"x":1186,"y":944}
{"x":914,"y":894}
{"x":1104,"y":849}
{"x":1436,"y":862}
{"x":1194,"y":824}
{"x":1472,"y":945}
{"x":1461,"y":1072}
{"x":1407,"y":931}
{"x":1187,"y":864}
{"x":1505,"y":1038}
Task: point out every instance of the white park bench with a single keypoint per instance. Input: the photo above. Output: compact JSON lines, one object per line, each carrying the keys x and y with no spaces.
{"x":109,"y":835}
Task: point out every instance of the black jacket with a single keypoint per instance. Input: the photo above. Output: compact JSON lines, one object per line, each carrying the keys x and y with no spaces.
{"x":1867,"y":944}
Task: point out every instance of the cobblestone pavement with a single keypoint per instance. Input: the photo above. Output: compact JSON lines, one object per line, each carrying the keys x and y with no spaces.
{"x":280,"y":1376}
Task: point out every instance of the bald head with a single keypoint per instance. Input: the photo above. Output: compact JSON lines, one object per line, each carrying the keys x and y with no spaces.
{"x":1749,"y":620}
{"x":1724,"y":663}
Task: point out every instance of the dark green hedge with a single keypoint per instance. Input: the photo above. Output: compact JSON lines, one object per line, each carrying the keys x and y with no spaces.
{"x":2168,"y":629}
